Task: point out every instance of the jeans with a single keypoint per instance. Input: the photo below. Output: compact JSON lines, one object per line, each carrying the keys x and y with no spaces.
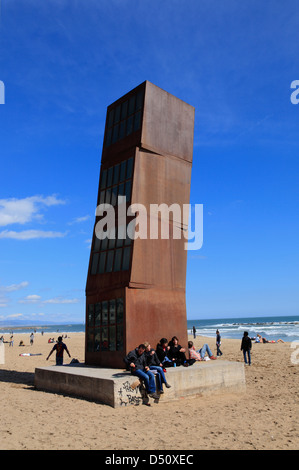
{"x":205,"y":349}
{"x":149,"y":379}
{"x":160,"y":376}
{"x":249,"y":356}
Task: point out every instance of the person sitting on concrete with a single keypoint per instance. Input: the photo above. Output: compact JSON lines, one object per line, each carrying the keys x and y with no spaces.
{"x":161,"y":351}
{"x":155,"y":365}
{"x":176,"y":353}
{"x":200,"y":353}
{"x":136,"y":361}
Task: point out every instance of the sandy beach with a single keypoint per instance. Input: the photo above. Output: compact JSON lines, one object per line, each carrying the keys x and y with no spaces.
{"x":265,"y":417}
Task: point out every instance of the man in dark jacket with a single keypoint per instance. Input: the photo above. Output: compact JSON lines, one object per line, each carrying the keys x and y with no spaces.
{"x":246,"y":347}
{"x":136,"y":361}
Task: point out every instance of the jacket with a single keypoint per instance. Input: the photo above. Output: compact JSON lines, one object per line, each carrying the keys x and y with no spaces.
{"x":152,"y":359}
{"x":161,"y":353}
{"x":135,"y":358}
{"x":246,"y":343}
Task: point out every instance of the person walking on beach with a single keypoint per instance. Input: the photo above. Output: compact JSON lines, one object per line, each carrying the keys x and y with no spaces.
{"x":194,"y":332}
{"x":59,"y":347}
{"x":31,"y":339}
{"x":246,"y":347}
{"x":218,"y":343}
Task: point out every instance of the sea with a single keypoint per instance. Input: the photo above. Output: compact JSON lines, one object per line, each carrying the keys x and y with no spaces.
{"x":272,"y":328}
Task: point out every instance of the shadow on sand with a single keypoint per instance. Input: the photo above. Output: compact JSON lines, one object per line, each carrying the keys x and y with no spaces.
{"x":15,"y":377}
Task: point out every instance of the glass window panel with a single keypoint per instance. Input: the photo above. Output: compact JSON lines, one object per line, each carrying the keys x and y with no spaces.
{"x":121,"y":235}
{"x":102,"y":262}
{"x":111,"y":239}
{"x":114,"y":196}
{"x":130,"y":233}
{"x":119,"y":310}
{"x":108,"y":196}
{"x":90,"y":316}
{"x":102,"y":197}
{"x":112,"y":311}
{"x":137,"y":121}
{"x":129,"y":168}
{"x":109,"y":177}
{"x":112,"y":339}
{"x":96,"y":243}
{"x":104,"y":339}
{"x":117,"y":114}
{"x":104,"y":243}
{"x":119,"y":338}
{"x":103,"y":179}
{"x":94,"y":263}
{"x":105,"y":312}
{"x":122,"y":130}
{"x":124,"y":110}
{"x":109,"y":264}
{"x":129,"y":129}
{"x":117,"y":260}
{"x":126,"y":258}
{"x":115,"y":133}
{"x":90,"y":340}
{"x":108,"y":137}
{"x":116,"y":174}
{"x":139,"y":100}
{"x":98,"y":312}
{"x":122,"y":171}
{"x":128,"y":191}
{"x":97,"y":339}
{"x":110,"y":118}
{"x":132,"y":104}
{"x":121,"y":189}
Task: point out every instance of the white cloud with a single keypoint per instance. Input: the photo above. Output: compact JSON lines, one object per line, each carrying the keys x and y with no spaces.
{"x":30,"y":234}
{"x":22,"y":211}
{"x":14,"y":287}
{"x":60,"y":300}
{"x":78,"y":220}
{"x":30,"y":299}
{"x":4,"y":290}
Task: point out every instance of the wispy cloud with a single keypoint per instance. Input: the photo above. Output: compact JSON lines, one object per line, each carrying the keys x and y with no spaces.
{"x":61,"y":300}
{"x":79,"y":220}
{"x":31,"y":234}
{"x":4,"y":290}
{"x":14,"y":287}
{"x":30,"y":299}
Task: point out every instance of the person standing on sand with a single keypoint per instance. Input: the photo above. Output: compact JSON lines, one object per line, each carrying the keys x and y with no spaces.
{"x":246,"y":347}
{"x":218,"y":343}
{"x":59,"y":347}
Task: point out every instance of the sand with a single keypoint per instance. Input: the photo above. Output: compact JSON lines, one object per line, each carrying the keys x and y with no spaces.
{"x":265,"y":417}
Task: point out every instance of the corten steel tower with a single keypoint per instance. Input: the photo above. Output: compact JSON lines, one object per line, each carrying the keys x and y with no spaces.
{"x":135,"y":289}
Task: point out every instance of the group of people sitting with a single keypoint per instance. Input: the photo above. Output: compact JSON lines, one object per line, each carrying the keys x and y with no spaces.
{"x":145,"y":363}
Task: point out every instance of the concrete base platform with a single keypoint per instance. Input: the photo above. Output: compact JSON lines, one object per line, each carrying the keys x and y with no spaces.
{"x":116,"y":387}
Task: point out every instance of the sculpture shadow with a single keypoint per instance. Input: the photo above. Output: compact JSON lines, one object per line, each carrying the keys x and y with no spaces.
{"x":16,"y":377}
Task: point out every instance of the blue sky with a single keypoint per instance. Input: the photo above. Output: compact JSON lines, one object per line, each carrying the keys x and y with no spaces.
{"x":63,"y":62}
